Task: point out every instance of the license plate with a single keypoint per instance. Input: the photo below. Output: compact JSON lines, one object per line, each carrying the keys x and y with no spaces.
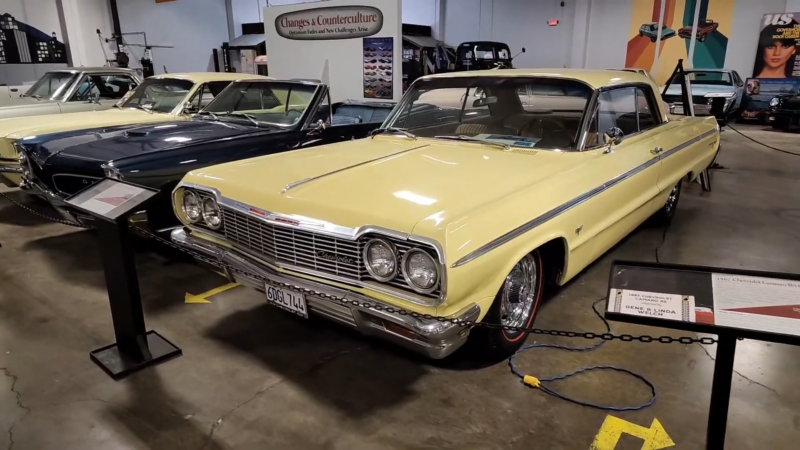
{"x":286,"y":299}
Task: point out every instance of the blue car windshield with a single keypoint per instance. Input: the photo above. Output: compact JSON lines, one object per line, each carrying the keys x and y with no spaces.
{"x":707,"y":77}
{"x":272,"y":102}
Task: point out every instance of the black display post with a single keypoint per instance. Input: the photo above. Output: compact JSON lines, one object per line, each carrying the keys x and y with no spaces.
{"x":111,"y":203}
{"x":730,"y":303}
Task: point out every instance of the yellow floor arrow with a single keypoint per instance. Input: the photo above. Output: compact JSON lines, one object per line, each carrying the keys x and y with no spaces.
{"x":203,"y":298}
{"x":611,"y":431}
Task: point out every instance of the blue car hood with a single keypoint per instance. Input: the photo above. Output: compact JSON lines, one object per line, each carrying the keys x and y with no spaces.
{"x":113,"y":143}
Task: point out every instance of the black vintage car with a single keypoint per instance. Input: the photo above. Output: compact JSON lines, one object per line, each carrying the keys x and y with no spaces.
{"x":484,"y":55}
{"x":784,"y":111}
{"x":247,"y":119}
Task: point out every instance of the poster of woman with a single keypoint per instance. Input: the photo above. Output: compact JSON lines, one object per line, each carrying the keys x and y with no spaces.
{"x":777,"y":47}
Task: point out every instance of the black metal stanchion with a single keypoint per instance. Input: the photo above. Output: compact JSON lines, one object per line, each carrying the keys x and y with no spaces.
{"x":729,"y":303}
{"x":111,"y":203}
{"x":721,"y":391}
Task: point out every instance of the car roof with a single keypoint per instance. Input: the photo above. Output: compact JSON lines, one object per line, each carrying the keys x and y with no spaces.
{"x":202,"y":77}
{"x":93,"y":70}
{"x":595,"y":78}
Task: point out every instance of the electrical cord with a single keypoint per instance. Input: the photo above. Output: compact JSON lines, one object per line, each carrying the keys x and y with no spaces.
{"x":663,"y":240}
{"x":763,"y":144}
{"x":539,"y":383}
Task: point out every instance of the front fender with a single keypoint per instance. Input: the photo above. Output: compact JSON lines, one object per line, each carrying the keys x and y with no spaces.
{"x":479,"y":280}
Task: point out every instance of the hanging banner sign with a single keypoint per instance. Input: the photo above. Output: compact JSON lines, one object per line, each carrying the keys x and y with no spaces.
{"x":333,"y":22}
{"x":778,"y":45}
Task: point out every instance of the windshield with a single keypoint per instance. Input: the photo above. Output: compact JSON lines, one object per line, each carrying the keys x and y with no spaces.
{"x":52,"y":84}
{"x":515,"y":111}
{"x":160,"y":95}
{"x":276,"y":103}
{"x":709,"y":77}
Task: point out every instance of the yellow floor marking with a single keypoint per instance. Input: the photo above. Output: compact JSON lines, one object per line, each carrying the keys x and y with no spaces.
{"x":612,"y":429}
{"x":203,"y":298}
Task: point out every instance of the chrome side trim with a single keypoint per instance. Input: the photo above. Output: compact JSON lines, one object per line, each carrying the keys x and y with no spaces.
{"x":294,"y":184}
{"x":558,"y":210}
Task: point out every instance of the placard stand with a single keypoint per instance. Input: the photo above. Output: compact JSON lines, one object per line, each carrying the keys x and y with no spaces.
{"x":111,"y":203}
{"x":730,"y":303}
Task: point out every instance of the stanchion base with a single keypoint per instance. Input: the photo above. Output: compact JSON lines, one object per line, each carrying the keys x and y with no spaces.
{"x":119,"y":366}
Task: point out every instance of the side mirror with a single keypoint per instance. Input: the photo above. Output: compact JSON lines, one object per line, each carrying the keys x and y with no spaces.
{"x":613,"y":136}
{"x":319,"y":127}
{"x":93,"y":98}
{"x":523,"y":49}
{"x":190,"y":108}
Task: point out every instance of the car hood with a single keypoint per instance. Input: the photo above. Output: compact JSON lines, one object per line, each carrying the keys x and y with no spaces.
{"x":390,"y":182}
{"x":108,"y":144}
{"x":700,"y":89}
{"x":21,"y":127}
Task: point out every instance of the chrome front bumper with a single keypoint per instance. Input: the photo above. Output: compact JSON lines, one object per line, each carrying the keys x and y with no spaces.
{"x":432,"y":338}
{"x":11,"y":169}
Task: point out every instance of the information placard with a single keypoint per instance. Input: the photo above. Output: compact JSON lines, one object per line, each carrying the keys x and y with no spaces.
{"x":110,"y":199}
{"x":757,"y":305}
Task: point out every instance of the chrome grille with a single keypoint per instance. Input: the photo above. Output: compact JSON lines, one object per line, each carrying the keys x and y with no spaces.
{"x":286,"y":246}
{"x":295,"y":247}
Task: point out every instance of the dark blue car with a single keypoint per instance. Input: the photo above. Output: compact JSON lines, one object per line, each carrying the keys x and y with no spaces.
{"x":246,"y":120}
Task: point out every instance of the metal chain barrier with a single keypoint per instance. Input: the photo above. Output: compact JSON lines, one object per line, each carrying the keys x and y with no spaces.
{"x":388,"y":309}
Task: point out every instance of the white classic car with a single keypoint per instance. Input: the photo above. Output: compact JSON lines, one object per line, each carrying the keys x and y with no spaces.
{"x":71,"y":90}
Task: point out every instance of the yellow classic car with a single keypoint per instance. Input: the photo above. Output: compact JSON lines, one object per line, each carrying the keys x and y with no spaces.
{"x":479,"y":191}
{"x":159,"y":98}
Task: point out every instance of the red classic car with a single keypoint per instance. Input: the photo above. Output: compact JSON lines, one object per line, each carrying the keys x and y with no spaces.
{"x":704,"y":28}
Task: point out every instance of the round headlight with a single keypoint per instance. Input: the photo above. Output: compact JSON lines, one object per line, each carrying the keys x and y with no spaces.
{"x":211,"y":214}
{"x":191,"y":206}
{"x":380,"y":260}
{"x":775,"y":101}
{"x":420,"y":271}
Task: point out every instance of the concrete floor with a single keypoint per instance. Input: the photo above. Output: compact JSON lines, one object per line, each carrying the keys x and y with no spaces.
{"x":253,"y":377}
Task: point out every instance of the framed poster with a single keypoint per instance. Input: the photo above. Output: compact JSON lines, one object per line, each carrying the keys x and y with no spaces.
{"x":778,"y":44}
{"x":379,"y":68}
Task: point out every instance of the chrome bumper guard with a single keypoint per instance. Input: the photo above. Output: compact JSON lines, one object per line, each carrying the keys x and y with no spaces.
{"x":432,"y":338}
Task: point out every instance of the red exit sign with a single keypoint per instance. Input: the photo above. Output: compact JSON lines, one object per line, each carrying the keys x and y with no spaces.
{"x":552,"y":22}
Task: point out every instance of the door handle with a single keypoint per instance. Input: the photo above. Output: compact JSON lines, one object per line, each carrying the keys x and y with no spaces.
{"x":656,"y":150}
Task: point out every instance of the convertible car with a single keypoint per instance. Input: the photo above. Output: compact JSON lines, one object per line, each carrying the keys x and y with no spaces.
{"x":71,"y":90}
{"x":160,"y":98}
{"x":249,"y":118}
{"x":459,"y":206}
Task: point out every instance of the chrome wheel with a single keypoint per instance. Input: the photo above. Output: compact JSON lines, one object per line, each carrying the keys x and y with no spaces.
{"x":519,"y":293}
{"x":672,"y":200}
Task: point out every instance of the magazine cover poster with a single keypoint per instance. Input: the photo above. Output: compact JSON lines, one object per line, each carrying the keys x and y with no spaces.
{"x":760,"y":91}
{"x":778,"y":43}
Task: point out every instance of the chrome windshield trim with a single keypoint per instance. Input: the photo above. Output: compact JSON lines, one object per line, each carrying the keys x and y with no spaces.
{"x":294,"y":184}
{"x":333,"y":230}
{"x":558,"y":210}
